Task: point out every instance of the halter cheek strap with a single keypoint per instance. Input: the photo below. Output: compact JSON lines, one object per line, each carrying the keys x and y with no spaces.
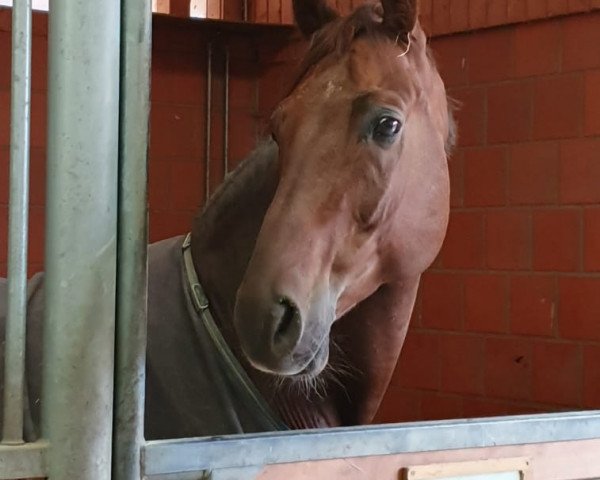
{"x":233,"y":370}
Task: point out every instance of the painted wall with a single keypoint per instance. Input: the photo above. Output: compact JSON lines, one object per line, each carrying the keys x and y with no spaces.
{"x":508,"y":318}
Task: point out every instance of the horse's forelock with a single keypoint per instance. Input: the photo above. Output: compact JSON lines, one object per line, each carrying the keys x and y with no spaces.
{"x":337,"y":36}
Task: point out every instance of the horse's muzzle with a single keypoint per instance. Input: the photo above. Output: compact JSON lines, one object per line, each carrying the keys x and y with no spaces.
{"x":275,"y":336}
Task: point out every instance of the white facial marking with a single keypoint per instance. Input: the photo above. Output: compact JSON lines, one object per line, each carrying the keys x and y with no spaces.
{"x":331,"y":89}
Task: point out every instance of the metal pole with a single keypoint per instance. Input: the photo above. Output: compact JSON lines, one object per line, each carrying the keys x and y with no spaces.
{"x":136,"y":26}
{"x":226,"y":116}
{"x":209,"y":52}
{"x":14,"y":363}
{"x":81,"y":223}
{"x":207,"y":143}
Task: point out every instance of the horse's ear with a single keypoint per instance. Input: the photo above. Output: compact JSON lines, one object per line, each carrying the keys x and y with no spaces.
{"x":400,"y":16}
{"x":311,"y":15}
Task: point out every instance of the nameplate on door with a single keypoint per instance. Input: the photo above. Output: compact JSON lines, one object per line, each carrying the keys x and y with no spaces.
{"x":490,"y":469}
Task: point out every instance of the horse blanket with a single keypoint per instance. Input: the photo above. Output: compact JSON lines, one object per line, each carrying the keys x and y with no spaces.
{"x":188,"y":392}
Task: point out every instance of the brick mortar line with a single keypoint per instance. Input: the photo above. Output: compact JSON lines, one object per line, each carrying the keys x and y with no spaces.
{"x":536,"y":141}
{"x":512,"y":402}
{"x":515,"y":272}
{"x":524,"y":208}
{"x":528,"y":19}
{"x":507,"y":336}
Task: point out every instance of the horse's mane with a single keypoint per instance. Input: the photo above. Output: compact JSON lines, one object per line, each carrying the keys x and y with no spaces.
{"x":251,"y":171}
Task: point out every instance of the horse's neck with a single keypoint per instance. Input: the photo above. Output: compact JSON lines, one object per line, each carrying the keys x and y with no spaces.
{"x":223,"y":239}
{"x":224,"y":235}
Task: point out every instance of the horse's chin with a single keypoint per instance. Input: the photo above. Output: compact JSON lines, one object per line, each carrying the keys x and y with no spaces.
{"x":317,"y":364}
{"x":306,"y":371}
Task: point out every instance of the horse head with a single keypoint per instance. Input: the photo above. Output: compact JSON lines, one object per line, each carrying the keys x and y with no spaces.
{"x":363,"y":192}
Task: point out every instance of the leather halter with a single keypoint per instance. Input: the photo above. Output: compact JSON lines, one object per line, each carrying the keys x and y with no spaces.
{"x":233,"y":370}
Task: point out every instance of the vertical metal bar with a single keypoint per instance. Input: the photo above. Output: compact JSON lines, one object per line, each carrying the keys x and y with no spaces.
{"x":14,"y":364}
{"x":81,"y":222}
{"x":226,"y":116}
{"x":209,"y":53}
{"x":245,"y":10}
{"x":132,"y":240}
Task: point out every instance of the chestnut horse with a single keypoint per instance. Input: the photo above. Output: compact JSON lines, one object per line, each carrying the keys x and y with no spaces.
{"x":300,"y":277}
{"x":359,"y":210}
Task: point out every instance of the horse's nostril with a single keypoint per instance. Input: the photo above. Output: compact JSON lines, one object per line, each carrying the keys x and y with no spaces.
{"x":289,"y":312}
{"x":288,"y":325}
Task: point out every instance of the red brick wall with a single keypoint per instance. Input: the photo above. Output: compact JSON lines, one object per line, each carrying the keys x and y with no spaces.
{"x":177,"y":181}
{"x":178,"y":117}
{"x":280,"y":11}
{"x":258,"y":11}
{"x":508,"y":319}
{"x":451,"y":16}
{"x":177,"y":166}
{"x":444,"y":16}
{"x":439,"y":16}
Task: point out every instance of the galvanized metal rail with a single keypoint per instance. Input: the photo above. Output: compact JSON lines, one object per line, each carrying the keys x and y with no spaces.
{"x":23,"y":461}
{"x":14,"y":363}
{"x":203,"y":455}
{"x":132,"y":239}
{"x":98,"y":114}
{"x":208,"y":120}
{"x":81,"y":243}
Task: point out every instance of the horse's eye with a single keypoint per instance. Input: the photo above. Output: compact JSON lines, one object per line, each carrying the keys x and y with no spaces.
{"x":386,"y":128}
